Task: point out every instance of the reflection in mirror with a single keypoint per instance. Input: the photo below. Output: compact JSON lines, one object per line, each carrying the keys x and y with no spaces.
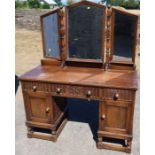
{"x":51,"y":37}
{"x":85,"y":32}
{"x":123,"y":37}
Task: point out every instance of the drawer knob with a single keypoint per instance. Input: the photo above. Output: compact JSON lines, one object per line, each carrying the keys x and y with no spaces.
{"x":47,"y":110}
{"x":116,"y":96}
{"x":34,"y":88}
{"x":58,"y":90}
{"x":89,"y":93}
{"x":103,"y":117}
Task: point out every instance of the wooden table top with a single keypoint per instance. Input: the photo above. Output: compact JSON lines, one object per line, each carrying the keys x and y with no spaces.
{"x":83,"y":76}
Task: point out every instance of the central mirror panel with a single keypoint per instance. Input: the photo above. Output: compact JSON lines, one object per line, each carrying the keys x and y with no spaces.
{"x":85,"y":27}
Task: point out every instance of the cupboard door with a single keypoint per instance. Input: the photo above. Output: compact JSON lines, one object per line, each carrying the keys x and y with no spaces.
{"x":38,"y":107}
{"x":115,"y":116}
{"x":50,"y":34}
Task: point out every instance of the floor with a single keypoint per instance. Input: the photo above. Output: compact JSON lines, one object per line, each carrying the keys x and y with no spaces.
{"x":77,"y":136}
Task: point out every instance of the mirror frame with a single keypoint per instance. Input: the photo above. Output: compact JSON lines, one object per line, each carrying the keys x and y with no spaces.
{"x":125,"y":12}
{"x":103,"y":33}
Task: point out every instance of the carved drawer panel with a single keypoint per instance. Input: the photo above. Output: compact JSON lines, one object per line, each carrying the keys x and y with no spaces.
{"x":75,"y":91}
{"x":82,"y":92}
{"x":117,"y":94}
{"x":42,"y":86}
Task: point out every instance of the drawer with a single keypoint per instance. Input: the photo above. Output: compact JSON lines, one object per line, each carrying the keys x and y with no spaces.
{"x":35,"y":86}
{"x":75,"y":91}
{"x":44,"y":87}
{"x":82,"y":92}
{"x":117,"y":94}
{"x":63,"y":89}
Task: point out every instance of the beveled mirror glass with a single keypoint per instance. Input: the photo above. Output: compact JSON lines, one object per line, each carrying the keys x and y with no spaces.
{"x":85,"y":32}
{"x":123,"y":37}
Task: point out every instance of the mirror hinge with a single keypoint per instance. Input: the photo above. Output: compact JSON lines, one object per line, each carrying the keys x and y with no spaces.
{"x":106,"y":67}
{"x":63,"y":64}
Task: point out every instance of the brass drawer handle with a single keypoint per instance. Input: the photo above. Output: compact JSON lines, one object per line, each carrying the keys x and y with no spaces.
{"x":89,"y":93}
{"x":47,"y":110}
{"x":116,"y":96}
{"x":58,"y":90}
{"x":34,"y":88}
{"x":103,"y":117}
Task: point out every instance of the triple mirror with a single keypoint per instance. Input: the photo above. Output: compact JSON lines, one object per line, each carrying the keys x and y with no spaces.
{"x":84,"y":27}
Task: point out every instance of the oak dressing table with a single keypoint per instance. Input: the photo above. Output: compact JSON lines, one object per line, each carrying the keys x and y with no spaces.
{"x":89,"y":56}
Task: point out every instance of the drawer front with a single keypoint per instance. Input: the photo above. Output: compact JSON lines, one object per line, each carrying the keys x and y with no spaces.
{"x":35,"y":86}
{"x":117,"y":94}
{"x":75,"y":91}
{"x":63,"y":90}
{"x":83,"y":92}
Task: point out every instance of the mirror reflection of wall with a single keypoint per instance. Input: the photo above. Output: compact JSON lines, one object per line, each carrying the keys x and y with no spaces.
{"x":85,"y":32}
{"x":123,"y":37}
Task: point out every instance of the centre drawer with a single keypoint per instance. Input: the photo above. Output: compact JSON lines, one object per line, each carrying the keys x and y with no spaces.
{"x":75,"y":91}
